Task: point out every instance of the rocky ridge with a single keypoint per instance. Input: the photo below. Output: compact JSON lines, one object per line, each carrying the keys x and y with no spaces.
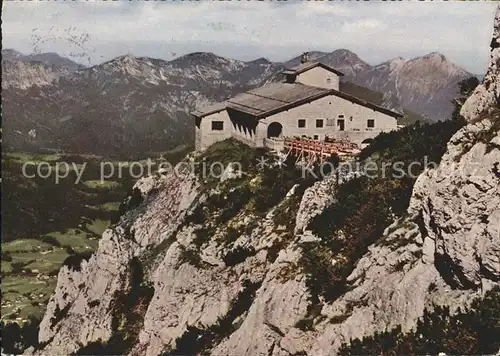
{"x":48,"y":59}
{"x":19,"y":74}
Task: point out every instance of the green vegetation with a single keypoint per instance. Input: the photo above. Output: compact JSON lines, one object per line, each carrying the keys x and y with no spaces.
{"x":104,"y":184}
{"x":225,"y":152}
{"x":412,"y":143}
{"x":252,"y":194}
{"x":365,"y":206}
{"x":16,"y":338}
{"x":25,"y":245}
{"x":97,"y":226}
{"x":48,"y":223}
{"x":238,"y":255}
{"x":471,"y":332}
{"x":24,"y":295}
{"x":76,"y":239}
{"x":466,"y":88}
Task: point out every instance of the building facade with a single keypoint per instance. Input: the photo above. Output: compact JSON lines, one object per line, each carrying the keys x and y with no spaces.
{"x":307,"y":104}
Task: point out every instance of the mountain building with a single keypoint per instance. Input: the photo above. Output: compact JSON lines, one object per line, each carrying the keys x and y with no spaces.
{"x":308,"y":103}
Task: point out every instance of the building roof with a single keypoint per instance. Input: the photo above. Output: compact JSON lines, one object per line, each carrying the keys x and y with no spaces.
{"x":365,"y":103}
{"x":277,"y":97}
{"x":210,"y":109}
{"x":303,"y":67}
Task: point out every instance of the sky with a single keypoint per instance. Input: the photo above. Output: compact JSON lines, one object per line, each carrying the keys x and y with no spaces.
{"x":91,"y":32}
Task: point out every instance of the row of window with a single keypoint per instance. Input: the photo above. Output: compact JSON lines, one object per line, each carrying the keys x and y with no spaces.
{"x":319,"y":123}
{"x":370,"y":123}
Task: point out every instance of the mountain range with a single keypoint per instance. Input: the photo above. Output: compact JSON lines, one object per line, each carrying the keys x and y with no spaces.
{"x":133,"y":105}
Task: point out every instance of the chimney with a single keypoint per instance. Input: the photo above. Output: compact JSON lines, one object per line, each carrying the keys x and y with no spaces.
{"x":304,"y":58}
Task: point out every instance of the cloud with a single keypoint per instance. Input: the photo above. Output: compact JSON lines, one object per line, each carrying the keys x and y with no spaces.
{"x":363,"y":26}
{"x":93,"y":31}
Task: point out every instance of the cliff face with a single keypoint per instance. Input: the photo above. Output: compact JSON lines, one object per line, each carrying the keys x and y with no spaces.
{"x":486,"y":95}
{"x":232,"y":281}
{"x":25,"y":75}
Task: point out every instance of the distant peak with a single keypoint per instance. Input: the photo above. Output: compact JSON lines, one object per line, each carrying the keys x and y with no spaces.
{"x":396,"y":59}
{"x":345,"y":52}
{"x":11,"y":51}
{"x":201,"y":58}
{"x":200,"y":55}
{"x":126,"y":57}
{"x":260,"y":60}
{"x":435,"y":55}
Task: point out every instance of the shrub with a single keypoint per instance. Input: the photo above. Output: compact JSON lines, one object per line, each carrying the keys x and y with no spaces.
{"x":238,"y":255}
{"x":16,"y":338}
{"x":74,"y":261}
{"x":471,"y":332}
{"x":50,"y":240}
{"x":6,"y":257}
{"x":132,"y":201}
{"x":365,"y":206}
{"x":190,"y":256}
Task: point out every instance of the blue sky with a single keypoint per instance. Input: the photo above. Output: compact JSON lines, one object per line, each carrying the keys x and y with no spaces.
{"x":95,"y":31}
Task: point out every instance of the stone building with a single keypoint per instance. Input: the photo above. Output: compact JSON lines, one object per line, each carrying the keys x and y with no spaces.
{"x":307,"y":103}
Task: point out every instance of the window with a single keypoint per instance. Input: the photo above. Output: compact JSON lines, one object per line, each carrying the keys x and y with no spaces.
{"x":330,"y":122}
{"x":316,"y":137}
{"x":302,"y":123}
{"x":290,"y":78}
{"x":328,"y":80}
{"x":319,"y":123}
{"x":341,"y":116}
{"x":217,"y":125}
{"x":370,"y":123}
{"x":341,"y":124}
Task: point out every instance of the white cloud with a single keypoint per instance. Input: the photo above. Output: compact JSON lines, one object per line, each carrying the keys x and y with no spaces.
{"x":363,"y":27}
{"x":94,"y":31}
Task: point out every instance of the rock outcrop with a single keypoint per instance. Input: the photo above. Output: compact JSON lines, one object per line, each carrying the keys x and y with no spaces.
{"x":240,"y":288}
{"x":486,"y":95}
{"x":22,"y":75}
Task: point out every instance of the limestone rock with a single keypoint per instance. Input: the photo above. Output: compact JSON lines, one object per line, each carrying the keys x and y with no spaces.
{"x":487,"y":94}
{"x":314,"y":200}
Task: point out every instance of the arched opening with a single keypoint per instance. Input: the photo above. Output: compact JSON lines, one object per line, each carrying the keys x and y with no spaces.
{"x":274,"y":130}
{"x":366,"y":142}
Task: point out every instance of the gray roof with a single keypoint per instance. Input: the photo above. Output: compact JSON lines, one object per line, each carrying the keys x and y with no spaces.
{"x":210,"y":109}
{"x":274,"y":97}
{"x":303,"y":67}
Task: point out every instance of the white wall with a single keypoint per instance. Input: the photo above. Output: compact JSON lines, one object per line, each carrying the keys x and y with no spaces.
{"x":205,"y":136}
{"x":318,"y":77}
{"x":329,"y":108}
